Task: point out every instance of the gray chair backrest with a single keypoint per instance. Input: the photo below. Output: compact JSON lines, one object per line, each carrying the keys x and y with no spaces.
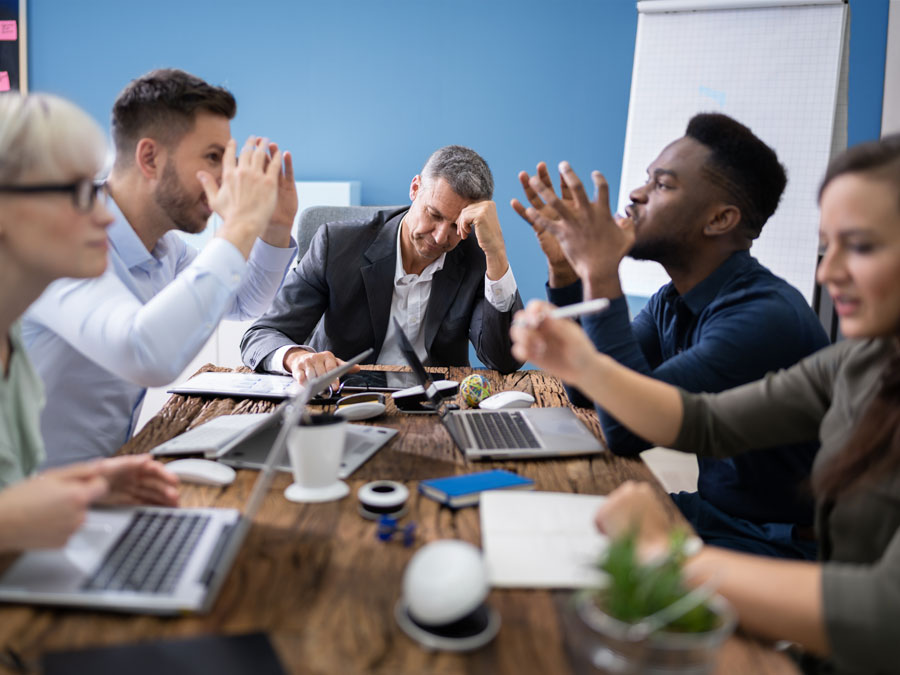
{"x":312,"y":217}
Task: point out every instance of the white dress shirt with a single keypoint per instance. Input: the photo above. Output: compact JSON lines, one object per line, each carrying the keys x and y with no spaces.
{"x":409,"y":302}
{"x":97,"y":343}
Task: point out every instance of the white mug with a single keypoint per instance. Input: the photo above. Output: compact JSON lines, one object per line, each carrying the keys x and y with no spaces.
{"x":315,"y":449}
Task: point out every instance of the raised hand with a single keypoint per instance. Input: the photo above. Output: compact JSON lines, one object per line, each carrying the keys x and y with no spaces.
{"x":594,"y":242}
{"x":247,"y":196}
{"x":560,"y":270}
{"x":279,"y":231}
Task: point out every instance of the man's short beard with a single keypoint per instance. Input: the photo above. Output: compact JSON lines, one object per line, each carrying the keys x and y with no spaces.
{"x":175,"y":201}
{"x":665,"y":252}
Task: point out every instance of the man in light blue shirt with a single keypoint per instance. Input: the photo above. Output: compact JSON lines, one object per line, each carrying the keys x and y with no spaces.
{"x":97,"y":343}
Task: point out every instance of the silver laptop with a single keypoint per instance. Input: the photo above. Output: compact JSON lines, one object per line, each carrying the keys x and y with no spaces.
{"x":243,"y":441}
{"x":505,"y":434}
{"x":152,"y":560}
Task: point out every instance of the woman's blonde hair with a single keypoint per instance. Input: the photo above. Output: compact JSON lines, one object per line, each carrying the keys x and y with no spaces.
{"x":44,"y":138}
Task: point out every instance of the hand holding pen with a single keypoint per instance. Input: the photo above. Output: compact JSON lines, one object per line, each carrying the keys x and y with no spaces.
{"x":567,"y":312}
{"x":541,"y":335}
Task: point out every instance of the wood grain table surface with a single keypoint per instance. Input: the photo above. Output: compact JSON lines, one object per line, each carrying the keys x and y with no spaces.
{"x":316,"y":579}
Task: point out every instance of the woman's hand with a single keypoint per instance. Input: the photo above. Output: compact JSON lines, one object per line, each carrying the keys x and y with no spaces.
{"x":44,"y":511}
{"x":137,"y":479}
{"x":636,"y":507}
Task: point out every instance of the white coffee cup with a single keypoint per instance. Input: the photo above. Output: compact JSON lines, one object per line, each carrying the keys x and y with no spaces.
{"x":315,"y":447}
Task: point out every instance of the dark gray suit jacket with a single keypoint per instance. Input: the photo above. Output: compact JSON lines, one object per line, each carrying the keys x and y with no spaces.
{"x":341,"y":293}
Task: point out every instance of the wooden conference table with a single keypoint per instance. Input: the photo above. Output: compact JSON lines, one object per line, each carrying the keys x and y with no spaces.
{"x":316,"y":579}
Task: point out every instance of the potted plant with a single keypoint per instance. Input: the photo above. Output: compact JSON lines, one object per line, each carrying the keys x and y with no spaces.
{"x":645,"y":619}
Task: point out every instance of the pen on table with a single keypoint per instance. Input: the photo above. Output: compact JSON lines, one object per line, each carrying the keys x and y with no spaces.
{"x":570,"y":311}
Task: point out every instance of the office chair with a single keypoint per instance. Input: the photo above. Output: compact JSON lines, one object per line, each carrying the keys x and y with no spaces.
{"x":312,"y":217}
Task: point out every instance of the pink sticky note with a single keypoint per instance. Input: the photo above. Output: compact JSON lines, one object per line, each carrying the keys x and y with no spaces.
{"x":4,"y":80}
{"x":9,"y":30}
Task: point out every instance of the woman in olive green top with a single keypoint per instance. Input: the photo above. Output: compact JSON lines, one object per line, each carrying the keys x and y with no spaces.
{"x":846,"y":608}
{"x":52,"y":224}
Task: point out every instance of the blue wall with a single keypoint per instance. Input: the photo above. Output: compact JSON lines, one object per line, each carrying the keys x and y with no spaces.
{"x":366,"y":89}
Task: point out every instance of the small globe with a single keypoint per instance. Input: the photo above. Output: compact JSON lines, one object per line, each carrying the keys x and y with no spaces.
{"x":474,"y":389}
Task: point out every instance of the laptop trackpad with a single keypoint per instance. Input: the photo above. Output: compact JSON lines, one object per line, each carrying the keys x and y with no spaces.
{"x":560,"y":428}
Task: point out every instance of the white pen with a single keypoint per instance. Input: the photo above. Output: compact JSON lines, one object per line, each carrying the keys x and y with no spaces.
{"x":569,"y":311}
{"x":580,"y":309}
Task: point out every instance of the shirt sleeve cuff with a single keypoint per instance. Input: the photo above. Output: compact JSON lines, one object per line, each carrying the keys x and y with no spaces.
{"x":502,"y":292}
{"x":565,"y":295}
{"x":274,"y":362}
{"x":272,"y":258}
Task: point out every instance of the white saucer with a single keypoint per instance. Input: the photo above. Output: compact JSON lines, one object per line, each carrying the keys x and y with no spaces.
{"x":298,"y":493}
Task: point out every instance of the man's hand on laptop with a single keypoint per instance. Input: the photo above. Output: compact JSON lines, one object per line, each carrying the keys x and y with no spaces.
{"x":44,"y":511}
{"x":305,"y":365}
{"x":138,"y":479}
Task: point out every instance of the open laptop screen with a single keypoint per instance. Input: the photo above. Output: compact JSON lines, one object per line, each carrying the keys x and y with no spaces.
{"x":431,"y":390}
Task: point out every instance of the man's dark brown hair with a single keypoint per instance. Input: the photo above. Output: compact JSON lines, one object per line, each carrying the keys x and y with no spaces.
{"x":163,"y":105}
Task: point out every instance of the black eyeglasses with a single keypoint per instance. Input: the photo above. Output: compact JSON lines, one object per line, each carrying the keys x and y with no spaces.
{"x":85,"y":192}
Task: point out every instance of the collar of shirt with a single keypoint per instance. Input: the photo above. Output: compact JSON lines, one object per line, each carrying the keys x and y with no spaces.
{"x":400,"y":275}
{"x":706,"y":291}
{"x":128,"y":244}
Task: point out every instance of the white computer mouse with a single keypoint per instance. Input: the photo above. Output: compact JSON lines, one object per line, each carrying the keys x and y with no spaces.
{"x":202,"y":471}
{"x":507,"y":399}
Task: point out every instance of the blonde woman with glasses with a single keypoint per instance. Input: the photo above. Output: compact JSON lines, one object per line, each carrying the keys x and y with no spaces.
{"x":53,"y":222}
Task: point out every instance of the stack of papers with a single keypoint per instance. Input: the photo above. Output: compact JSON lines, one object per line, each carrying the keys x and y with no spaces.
{"x":240,"y":385}
{"x":541,"y":539}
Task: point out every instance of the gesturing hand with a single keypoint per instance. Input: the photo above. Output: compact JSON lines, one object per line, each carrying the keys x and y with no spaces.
{"x":561,"y":272}
{"x":559,"y":346}
{"x":593,"y":241}
{"x":287,"y":202}
{"x":249,"y":191}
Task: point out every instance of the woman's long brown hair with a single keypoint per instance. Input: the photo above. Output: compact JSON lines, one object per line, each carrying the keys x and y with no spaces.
{"x":874,"y":447}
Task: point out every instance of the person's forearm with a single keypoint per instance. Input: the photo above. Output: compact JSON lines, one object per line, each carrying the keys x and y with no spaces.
{"x":651,"y":409}
{"x":266,"y":270}
{"x":561,"y":274}
{"x":148,"y":344}
{"x":8,"y":535}
{"x":277,"y":234}
{"x":774,"y":599}
{"x":497,"y":265}
{"x":601,"y":285}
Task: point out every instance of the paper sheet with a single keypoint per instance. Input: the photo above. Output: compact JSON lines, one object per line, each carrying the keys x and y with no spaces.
{"x":541,"y":539}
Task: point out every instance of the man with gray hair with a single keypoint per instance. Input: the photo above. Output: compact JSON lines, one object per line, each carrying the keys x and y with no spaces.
{"x":418,"y":264}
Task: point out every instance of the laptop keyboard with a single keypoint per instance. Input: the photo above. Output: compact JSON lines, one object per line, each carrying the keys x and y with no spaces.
{"x":151,"y":554}
{"x":501,"y":429}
